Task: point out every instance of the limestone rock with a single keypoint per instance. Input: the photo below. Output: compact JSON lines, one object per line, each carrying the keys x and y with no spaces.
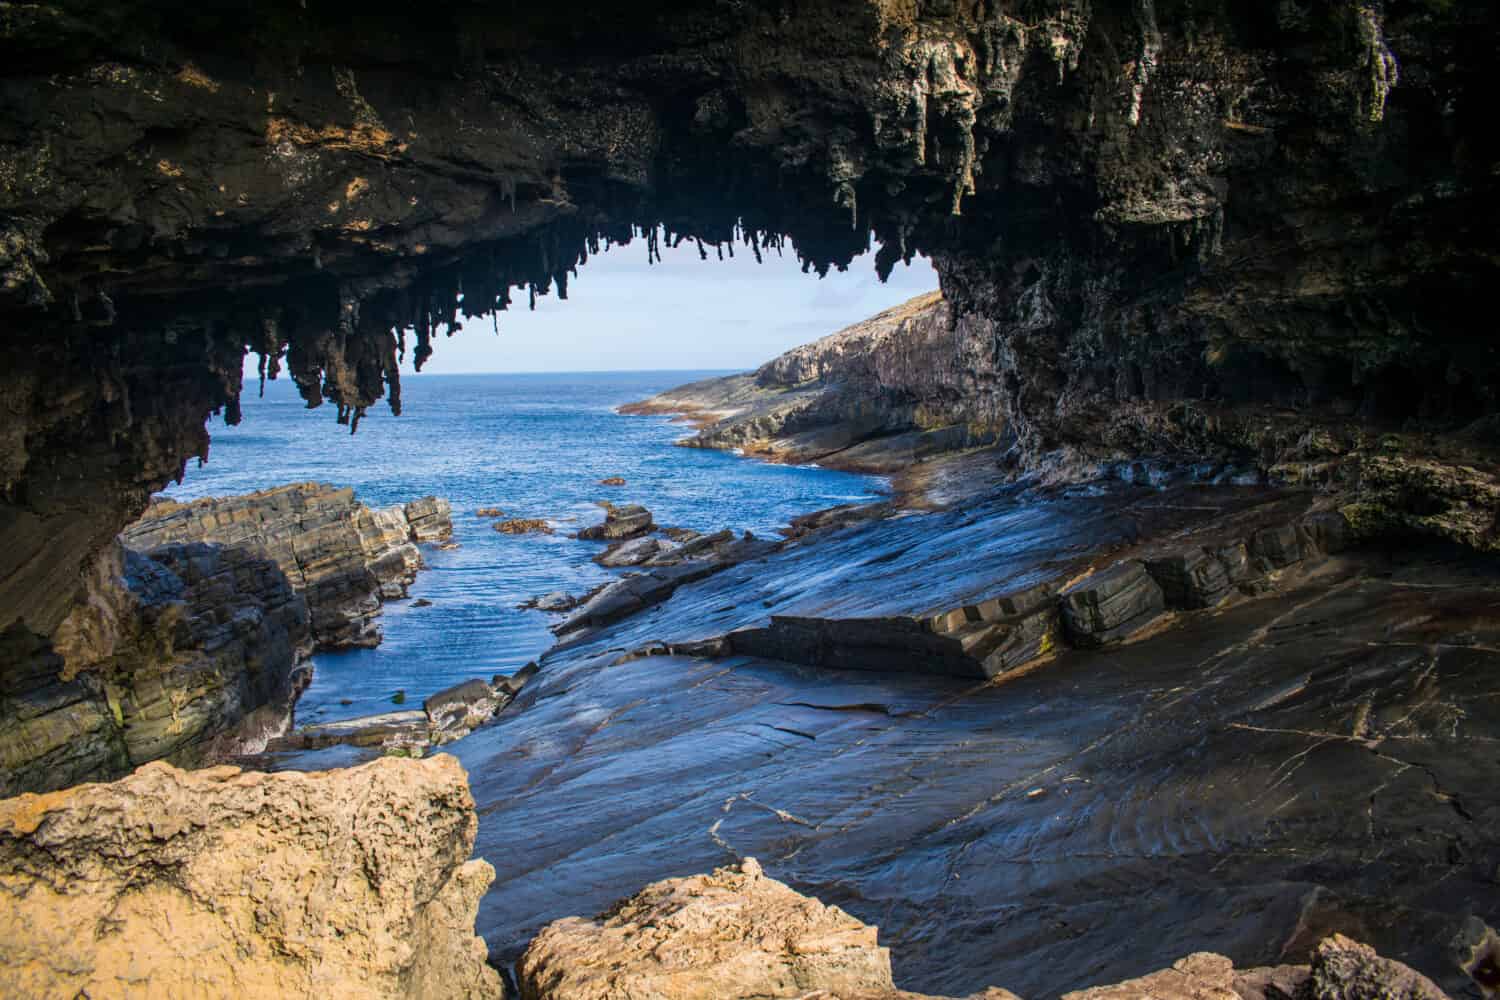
{"x":1343,"y":969}
{"x":345,"y":884}
{"x":734,"y":933}
{"x":344,"y":557}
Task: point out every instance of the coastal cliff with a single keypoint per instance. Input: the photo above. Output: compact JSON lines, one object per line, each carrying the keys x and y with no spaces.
{"x":180,"y":653}
{"x":193,"y":634}
{"x":874,"y":397}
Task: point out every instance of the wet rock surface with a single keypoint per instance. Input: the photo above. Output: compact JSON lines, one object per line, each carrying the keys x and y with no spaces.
{"x":348,"y":883}
{"x":1227,"y":783}
{"x":620,"y":523}
{"x":343,"y":557}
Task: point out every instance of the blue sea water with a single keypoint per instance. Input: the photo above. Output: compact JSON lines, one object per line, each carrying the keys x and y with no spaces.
{"x":534,"y":445}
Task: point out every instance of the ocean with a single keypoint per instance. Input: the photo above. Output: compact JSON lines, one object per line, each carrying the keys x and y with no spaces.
{"x":535,"y":445}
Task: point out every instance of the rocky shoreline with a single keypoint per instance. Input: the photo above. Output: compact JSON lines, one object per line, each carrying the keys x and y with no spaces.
{"x":876,"y":397}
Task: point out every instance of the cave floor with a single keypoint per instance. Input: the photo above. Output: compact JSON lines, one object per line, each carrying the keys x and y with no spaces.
{"x":1321,"y":758}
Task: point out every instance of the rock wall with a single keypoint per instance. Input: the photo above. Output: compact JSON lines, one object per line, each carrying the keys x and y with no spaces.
{"x":351,"y":883}
{"x":342,"y":556}
{"x":189,"y":651}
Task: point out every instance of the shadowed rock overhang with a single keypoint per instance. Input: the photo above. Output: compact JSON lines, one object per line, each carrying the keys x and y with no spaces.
{"x":1155,"y":221}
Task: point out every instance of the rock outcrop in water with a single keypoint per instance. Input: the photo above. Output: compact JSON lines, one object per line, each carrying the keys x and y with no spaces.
{"x":184,"y":652}
{"x":352,"y":883}
{"x":344,"y":557}
{"x":873,"y":397}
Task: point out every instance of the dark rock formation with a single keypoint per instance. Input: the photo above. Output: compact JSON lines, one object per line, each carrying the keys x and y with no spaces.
{"x":189,"y":651}
{"x":620,"y":523}
{"x":350,"y":883}
{"x":342,"y":556}
{"x":874,"y":397}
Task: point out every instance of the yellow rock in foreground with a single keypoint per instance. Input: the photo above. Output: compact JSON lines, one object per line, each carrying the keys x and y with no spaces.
{"x":168,"y":883}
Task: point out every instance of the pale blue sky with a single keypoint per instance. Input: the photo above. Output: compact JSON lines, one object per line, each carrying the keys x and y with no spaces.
{"x":681,"y":313}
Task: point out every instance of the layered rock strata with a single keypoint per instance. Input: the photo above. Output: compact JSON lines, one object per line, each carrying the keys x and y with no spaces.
{"x":352,"y":883}
{"x":1087,"y":603}
{"x":736,"y":934}
{"x":344,"y":557}
{"x":874,"y":397}
{"x":191,"y":650}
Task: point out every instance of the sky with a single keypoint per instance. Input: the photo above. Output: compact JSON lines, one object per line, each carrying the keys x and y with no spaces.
{"x":680,"y":313}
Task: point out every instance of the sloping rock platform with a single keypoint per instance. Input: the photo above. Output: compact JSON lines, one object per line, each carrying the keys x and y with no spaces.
{"x":1241,"y":778}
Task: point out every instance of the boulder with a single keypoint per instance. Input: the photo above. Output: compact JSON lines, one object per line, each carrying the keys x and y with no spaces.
{"x":734,"y":933}
{"x":350,"y":883}
{"x":612,"y":481}
{"x":1276,"y":547}
{"x":489,"y":512}
{"x":628,"y":521}
{"x":462,"y":708}
{"x":1189,"y":577}
{"x":554,"y":601}
{"x":1112,"y":605}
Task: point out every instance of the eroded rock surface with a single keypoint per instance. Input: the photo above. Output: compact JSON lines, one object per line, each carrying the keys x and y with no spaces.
{"x":352,"y":883}
{"x":344,"y":557}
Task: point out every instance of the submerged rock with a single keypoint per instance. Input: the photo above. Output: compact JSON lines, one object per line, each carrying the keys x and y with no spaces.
{"x":343,"y":557}
{"x":350,"y":883}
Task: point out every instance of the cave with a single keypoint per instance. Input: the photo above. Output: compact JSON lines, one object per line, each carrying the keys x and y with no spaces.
{"x":1170,"y":233}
